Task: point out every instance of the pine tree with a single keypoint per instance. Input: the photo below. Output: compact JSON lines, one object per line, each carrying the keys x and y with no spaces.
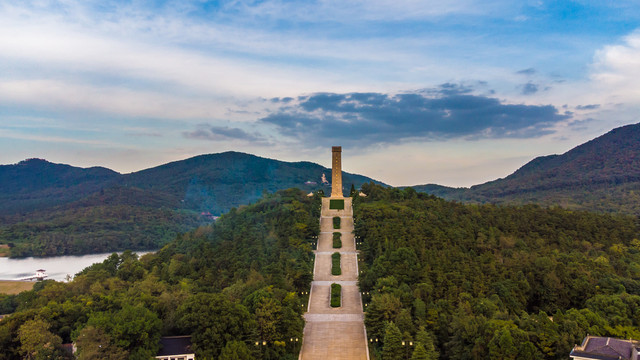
{"x":392,"y":348}
{"x":425,"y":339}
{"x":420,"y":353}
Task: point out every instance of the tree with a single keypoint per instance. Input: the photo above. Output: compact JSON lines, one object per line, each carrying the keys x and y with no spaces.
{"x":420,"y":353}
{"x":134,"y":328}
{"x":352,"y":192}
{"x":267,"y":314}
{"x":502,"y":346}
{"x":94,"y":344}
{"x":392,"y":346}
{"x":383,"y":308}
{"x":213,"y":320}
{"x":236,"y":350}
{"x":426,"y":340}
{"x":37,"y":342}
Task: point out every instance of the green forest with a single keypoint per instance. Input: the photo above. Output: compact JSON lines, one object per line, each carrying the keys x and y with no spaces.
{"x":55,"y":209}
{"x":440,"y":280}
{"x":230,"y":286}
{"x":96,"y":229}
{"x":454,"y":281}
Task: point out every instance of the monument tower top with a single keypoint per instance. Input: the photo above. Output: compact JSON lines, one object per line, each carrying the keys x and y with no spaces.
{"x":336,"y":172}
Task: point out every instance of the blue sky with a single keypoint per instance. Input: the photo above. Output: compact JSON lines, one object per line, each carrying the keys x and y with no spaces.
{"x":450,"y":92}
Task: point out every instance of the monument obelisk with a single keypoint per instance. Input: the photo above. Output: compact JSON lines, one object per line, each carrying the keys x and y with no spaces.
{"x":336,"y":172}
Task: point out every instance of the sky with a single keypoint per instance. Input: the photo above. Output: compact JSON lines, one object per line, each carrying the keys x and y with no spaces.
{"x":455,"y":92}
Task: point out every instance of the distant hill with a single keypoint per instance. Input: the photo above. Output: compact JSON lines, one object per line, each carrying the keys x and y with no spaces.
{"x":600,"y":175}
{"x":35,"y":184}
{"x":218,"y":182}
{"x":55,"y":209}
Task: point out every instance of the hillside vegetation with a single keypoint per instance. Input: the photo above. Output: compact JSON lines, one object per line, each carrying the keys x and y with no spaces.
{"x":457,"y":281}
{"x":53,"y":209}
{"x":494,"y":282}
{"x":228,"y":285}
{"x":601,"y":175}
{"x":38,"y":184}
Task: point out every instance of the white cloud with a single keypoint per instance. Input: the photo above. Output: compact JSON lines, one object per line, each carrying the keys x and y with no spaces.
{"x":366,"y":10}
{"x":134,"y":62}
{"x":616,"y":70}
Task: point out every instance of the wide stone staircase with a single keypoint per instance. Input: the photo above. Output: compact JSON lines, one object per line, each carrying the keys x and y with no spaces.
{"x":335,"y":333}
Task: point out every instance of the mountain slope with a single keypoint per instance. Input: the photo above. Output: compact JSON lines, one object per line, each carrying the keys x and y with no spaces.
{"x":600,"y":175}
{"x":55,"y":209}
{"x":37,"y":184}
{"x":218,"y":182}
{"x":613,"y":158}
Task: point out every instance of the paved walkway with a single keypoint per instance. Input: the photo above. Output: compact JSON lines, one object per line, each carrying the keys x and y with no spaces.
{"x":335,"y":333}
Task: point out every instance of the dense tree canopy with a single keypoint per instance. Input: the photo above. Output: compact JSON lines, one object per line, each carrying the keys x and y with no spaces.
{"x":495,"y":282}
{"x":231,"y":286}
{"x":442,"y":280}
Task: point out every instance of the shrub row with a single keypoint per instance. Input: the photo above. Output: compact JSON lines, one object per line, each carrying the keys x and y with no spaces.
{"x":336,"y":222}
{"x":335,"y":264}
{"x":336,"y":292}
{"x":337,"y":240}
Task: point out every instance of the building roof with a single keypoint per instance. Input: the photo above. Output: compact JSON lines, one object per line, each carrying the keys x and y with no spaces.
{"x":175,"y":345}
{"x":604,"y":348}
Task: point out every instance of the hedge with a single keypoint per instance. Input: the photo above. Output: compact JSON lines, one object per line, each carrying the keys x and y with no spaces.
{"x":336,"y":222}
{"x":337,"y":240}
{"x":335,"y":264}
{"x":336,"y":292}
{"x":336,"y":204}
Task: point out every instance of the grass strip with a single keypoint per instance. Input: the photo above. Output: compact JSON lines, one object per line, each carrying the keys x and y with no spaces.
{"x":336,"y":292}
{"x":336,"y":204}
{"x":335,"y":264}
{"x":337,"y":240}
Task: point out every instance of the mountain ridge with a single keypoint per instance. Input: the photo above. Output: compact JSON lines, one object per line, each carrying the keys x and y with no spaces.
{"x":602,"y":174}
{"x":101,"y":210}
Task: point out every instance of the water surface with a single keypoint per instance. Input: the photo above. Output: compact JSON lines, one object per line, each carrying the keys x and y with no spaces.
{"x":57,"y":267}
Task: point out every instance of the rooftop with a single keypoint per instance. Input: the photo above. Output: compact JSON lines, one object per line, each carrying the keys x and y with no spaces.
{"x":175,"y":345}
{"x":604,"y":348}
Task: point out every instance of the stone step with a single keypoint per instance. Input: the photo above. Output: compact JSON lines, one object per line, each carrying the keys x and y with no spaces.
{"x":334,"y":317}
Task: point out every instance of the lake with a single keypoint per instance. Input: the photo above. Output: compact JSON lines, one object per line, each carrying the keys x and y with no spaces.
{"x":57,"y":267}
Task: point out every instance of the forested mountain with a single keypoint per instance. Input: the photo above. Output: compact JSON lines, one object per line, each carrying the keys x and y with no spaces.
{"x":229,"y":285}
{"x":35,"y":184}
{"x":55,"y":209}
{"x":457,"y":281}
{"x":218,"y":182}
{"x":493,"y":282}
{"x":600,"y":175}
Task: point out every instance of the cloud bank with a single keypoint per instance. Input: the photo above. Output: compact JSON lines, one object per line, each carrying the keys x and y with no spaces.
{"x":221,"y":133}
{"x":432,"y":114}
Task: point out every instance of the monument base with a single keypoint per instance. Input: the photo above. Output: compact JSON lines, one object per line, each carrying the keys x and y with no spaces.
{"x":346,"y":211}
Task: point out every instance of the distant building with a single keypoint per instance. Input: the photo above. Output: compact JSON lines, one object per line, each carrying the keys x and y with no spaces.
{"x":209,"y":216}
{"x":41,"y":274}
{"x":606,"y":348}
{"x":176,"y":348}
{"x":311,"y":182}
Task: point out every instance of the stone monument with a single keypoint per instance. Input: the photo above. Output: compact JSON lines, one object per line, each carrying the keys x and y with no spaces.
{"x":336,"y":172}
